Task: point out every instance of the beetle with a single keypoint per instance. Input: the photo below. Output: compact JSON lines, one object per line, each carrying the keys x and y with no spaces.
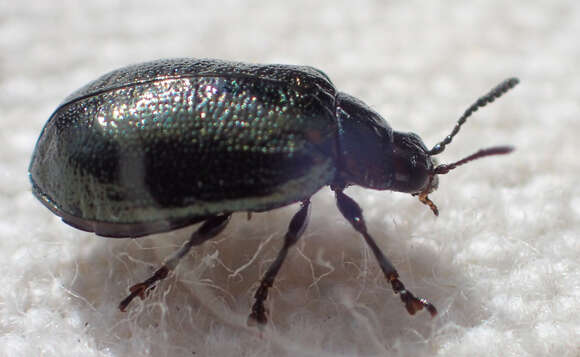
{"x":161,"y":145}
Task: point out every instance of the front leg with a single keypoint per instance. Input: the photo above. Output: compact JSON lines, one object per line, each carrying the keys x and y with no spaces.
{"x":353,"y":214}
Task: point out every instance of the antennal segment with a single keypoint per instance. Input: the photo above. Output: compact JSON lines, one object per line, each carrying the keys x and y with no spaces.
{"x":496,"y":150}
{"x":495,"y":93}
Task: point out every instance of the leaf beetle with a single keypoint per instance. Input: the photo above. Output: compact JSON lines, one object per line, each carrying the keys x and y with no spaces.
{"x":156,"y":146}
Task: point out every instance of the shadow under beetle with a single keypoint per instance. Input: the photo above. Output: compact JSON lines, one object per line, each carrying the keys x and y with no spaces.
{"x":161,"y":145}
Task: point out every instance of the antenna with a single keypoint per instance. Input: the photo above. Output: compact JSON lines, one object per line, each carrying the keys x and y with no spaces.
{"x":445,"y":168}
{"x":495,"y":93}
{"x":496,"y":150}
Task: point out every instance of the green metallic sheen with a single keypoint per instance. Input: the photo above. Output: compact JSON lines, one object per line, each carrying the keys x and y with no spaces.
{"x":159,"y":145}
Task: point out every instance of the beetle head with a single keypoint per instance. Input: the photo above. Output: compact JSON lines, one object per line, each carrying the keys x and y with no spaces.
{"x":428,"y":170}
{"x":412,"y":164}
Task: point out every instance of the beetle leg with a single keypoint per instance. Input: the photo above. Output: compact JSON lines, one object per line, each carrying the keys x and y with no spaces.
{"x":353,"y":214}
{"x":295,"y":229}
{"x":209,"y":229}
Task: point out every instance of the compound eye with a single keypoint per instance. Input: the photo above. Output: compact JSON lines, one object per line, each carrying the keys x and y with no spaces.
{"x":402,"y":172}
{"x":411,"y":174}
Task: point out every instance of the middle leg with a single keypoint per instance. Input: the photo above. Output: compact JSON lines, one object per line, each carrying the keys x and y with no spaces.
{"x":295,"y":230}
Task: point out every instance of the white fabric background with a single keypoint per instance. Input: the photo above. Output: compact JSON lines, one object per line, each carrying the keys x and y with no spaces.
{"x":500,"y":262}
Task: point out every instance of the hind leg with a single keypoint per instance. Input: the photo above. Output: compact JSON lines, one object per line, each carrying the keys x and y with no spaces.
{"x":209,"y":229}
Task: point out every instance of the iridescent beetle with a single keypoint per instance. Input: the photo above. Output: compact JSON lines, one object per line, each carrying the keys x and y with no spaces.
{"x":161,"y":145}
